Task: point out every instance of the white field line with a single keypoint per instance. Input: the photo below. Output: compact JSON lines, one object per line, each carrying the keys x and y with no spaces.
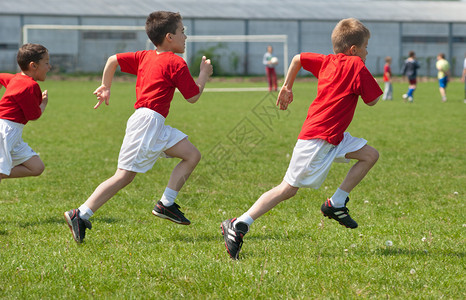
{"x":230,"y":90}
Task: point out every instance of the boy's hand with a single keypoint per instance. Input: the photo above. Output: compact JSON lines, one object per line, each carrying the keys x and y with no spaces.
{"x":45,"y":96}
{"x":285,"y":97}
{"x":103,"y":94}
{"x":206,"y":66}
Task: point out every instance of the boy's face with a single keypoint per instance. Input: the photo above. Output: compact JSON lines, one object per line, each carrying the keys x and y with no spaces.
{"x":361,"y":51}
{"x":41,"y":68}
{"x":178,"y":39}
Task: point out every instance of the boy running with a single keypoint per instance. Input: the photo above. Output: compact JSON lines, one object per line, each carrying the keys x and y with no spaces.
{"x":22,"y":101}
{"x":409,"y":69}
{"x":147,"y":138}
{"x":342,"y":78}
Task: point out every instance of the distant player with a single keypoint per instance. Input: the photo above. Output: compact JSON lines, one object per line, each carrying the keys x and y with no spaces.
{"x":270,"y":69}
{"x":387,"y":79}
{"x":410,"y":67}
{"x":443,"y":73}
{"x":342,"y":78}
{"x":147,"y":137}
{"x":22,"y":101}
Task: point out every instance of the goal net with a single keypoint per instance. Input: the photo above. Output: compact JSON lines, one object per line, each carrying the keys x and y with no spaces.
{"x":85,"y":48}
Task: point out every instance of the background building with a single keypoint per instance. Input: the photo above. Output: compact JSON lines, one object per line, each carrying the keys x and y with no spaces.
{"x":427,"y":27}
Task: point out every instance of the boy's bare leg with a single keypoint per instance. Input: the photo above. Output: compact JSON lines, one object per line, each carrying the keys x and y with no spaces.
{"x":271,"y":198}
{"x":166,"y":208}
{"x":443,"y":94}
{"x":190,"y":157}
{"x":109,"y":188}
{"x":32,"y":167}
{"x":367,"y":157}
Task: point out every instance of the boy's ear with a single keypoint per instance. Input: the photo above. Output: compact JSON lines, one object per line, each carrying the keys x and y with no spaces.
{"x":32,"y":66}
{"x":350,"y":51}
{"x":168,"y":36}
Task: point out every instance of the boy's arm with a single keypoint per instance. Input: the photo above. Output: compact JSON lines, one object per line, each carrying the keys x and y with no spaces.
{"x":5,"y":79}
{"x":285,"y":96}
{"x":103,"y":92}
{"x":204,"y":75}
{"x":45,"y":101}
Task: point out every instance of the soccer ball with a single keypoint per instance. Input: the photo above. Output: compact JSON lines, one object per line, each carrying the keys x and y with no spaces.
{"x":274,"y":61}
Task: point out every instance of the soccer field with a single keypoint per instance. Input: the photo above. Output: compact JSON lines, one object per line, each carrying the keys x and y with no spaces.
{"x":413,"y":197}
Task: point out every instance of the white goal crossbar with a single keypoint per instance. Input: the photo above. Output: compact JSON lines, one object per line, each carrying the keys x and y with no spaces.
{"x":191,"y":38}
{"x":27,"y":27}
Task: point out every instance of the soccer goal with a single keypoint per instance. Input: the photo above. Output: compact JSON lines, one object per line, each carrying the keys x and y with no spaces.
{"x":86,"y":47}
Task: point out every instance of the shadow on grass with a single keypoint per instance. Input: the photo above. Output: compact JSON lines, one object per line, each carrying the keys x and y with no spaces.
{"x":195,"y":236}
{"x":415,"y":252}
{"x":54,"y":220}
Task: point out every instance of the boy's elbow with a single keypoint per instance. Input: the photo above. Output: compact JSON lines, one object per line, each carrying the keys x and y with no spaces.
{"x":296,"y":59}
{"x":374,"y":102}
{"x":194,"y":98}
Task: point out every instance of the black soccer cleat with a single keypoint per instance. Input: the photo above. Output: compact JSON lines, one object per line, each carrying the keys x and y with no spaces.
{"x":341,"y":214}
{"x":171,"y":213}
{"x":77,"y":225}
{"x":233,"y":236}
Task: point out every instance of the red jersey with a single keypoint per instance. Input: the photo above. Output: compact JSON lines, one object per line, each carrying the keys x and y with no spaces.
{"x":341,"y":80}
{"x":157,"y":77}
{"x":21,"y":101}
{"x":387,"y":70}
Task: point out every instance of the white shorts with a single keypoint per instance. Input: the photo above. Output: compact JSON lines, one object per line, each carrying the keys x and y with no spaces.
{"x":146,"y":138}
{"x":13,"y":150}
{"x":312,"y":159}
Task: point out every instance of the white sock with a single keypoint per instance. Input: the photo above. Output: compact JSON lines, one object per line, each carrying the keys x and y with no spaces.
{"x":338,"y":199}
{"x":168,"y":197}
{"x":245,"y":218}
{"x":85,"y":212}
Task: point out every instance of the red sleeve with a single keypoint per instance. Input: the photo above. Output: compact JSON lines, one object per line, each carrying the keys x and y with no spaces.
{"x":5,"y":78}
{"x":183,"y":79}
{"x":367,"y":86}
{"x":312,"y":62}
{"x":129,"y":62}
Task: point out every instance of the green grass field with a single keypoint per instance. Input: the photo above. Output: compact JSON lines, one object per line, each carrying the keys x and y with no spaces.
{"x":414,"y":197}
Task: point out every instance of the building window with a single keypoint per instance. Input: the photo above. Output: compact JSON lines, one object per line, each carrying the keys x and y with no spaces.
{"x":459,"y":39}
{"x":109,"y":35}
{"x":5,"y":46}
{"x":425,"y":39}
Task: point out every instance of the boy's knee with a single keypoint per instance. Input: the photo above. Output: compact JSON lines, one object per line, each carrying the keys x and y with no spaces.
{"x":288,"y":191}
{"x":291,"y":192}
{"x":124,"y":177}
{"x":373,"y":155}
{"x":195,"y":157}
{"x":38,"y":169}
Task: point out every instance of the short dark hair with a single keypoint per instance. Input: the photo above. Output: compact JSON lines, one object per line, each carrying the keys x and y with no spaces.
{"x":30,"y":53}
{"x":411,"y":54}
{"x":159,"y":23}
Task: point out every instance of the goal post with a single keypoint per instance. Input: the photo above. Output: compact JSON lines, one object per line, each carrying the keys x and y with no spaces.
{"x":81,"y":44}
